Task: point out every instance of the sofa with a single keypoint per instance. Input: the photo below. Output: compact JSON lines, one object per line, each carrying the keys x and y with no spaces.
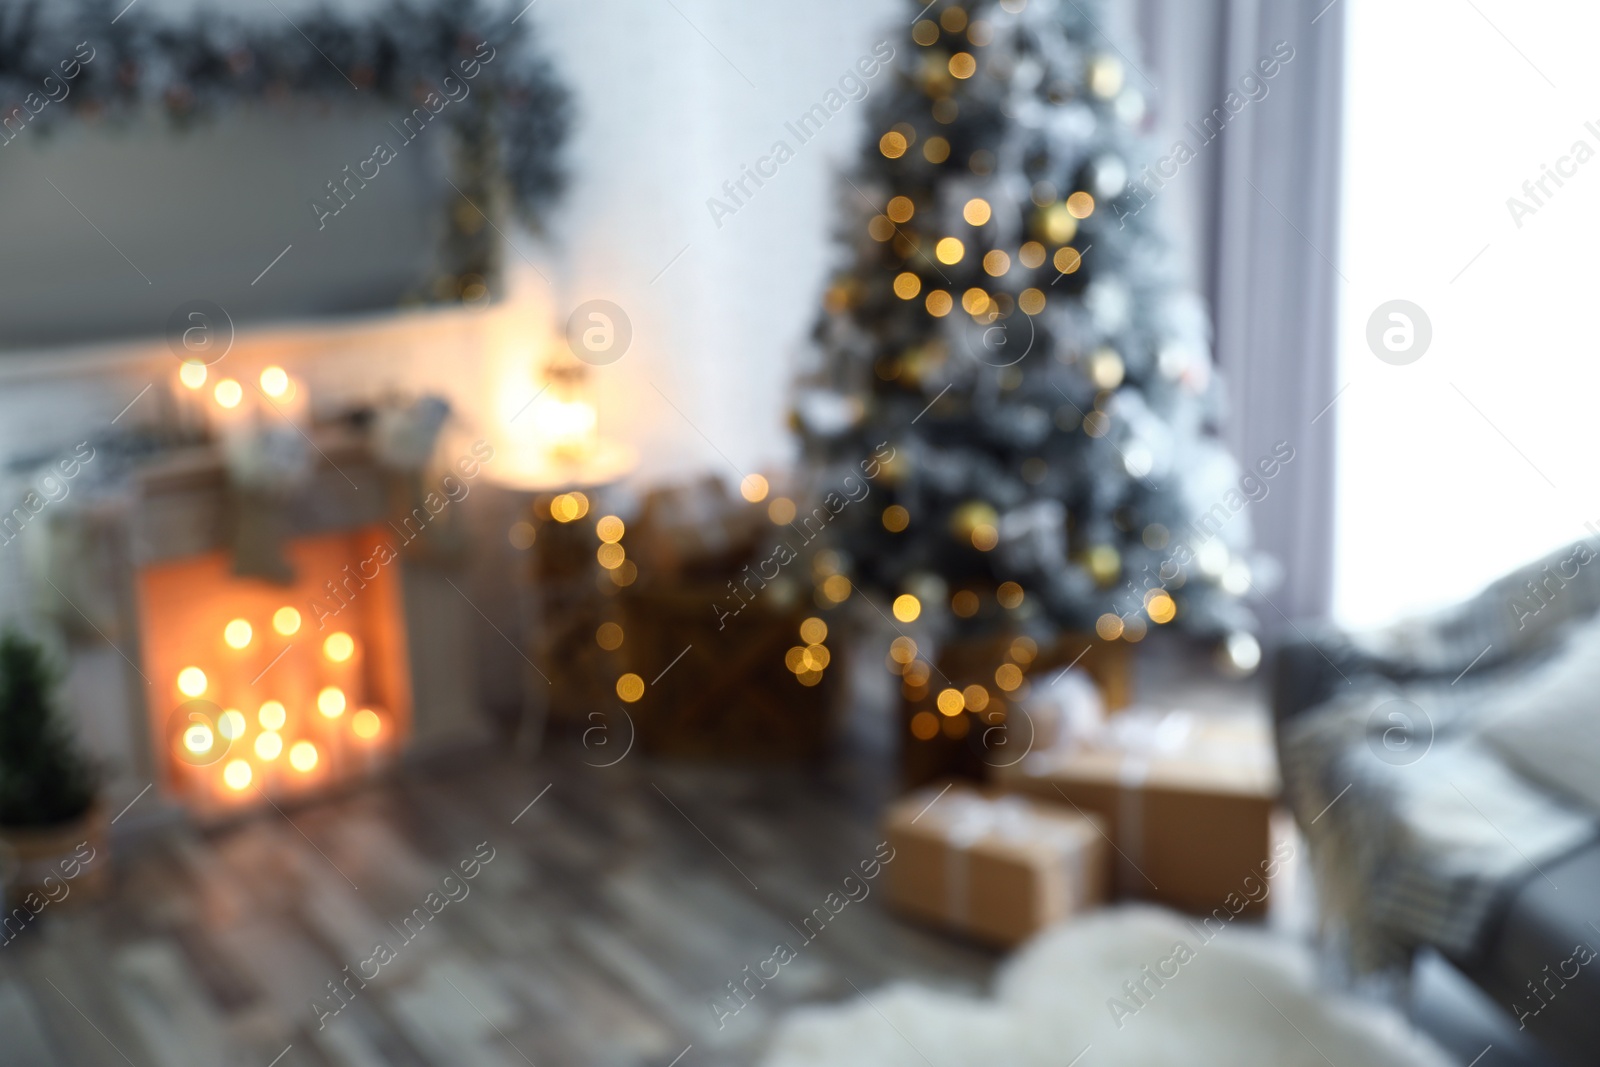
{"x":1446,"y":772}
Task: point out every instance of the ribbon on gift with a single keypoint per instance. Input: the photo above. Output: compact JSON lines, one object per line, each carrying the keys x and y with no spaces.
{"x":969,"y":819}
{"x":1131,"y":776}
{"x":1141,"y":735}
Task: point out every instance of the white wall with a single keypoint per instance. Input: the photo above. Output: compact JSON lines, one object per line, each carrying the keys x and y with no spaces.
{"x":663,"y":121}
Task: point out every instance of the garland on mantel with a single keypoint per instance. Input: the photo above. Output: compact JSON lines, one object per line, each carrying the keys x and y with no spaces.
{"x":508,"y":130}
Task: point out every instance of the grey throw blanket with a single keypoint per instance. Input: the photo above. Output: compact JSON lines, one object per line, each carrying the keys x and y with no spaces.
{"x":1416,"y":828}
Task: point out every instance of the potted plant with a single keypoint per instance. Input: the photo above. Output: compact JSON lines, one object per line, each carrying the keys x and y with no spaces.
{"x":49,"y":816}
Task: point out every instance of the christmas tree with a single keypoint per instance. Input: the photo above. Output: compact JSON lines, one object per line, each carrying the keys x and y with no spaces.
{"x":1010,"y":323}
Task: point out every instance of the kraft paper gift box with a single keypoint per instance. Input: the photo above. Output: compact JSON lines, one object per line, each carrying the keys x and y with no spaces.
{"x":997,"y":869}
{"x":1187,"y":801}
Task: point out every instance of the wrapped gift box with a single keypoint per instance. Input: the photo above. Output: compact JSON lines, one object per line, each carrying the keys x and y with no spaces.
{"x":1187,"y":799}
{"x":969,"y":745}
{"x":995,"y":868}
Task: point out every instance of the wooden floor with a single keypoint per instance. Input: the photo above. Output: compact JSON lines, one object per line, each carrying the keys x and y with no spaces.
{"x":614,"y":911}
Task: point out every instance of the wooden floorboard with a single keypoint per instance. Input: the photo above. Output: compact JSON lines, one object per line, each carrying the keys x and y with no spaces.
{"x":615,"y":911}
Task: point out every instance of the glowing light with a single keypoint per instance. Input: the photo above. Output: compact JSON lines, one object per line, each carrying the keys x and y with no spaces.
{"x":228,"y":394}
{"x":924,"y":726}
{"x":976,"y":211}
{"x":339,"y":647}
{"x":1161,"y":608}
{"x":366,"y":724}
{"x":951,"y":702}
{"x":907,"y":607}
{"x":192,"y":681}
{"x":996,"y":263}
{"x":630,"y":687}
{"x":611,"y":556}
{"x":238,"y":775}
{"x":272,"y":715}
{"x":892,"y":144}
{"x":1108,"y":626}
{"x":781,"y":510}
{"x":609,"y":529}
{"x":231,"y":724}
{"x":901,"y":209}
{"x":903,"y":650}
{"x":331,"y":702}
{"x":896,"y":518}
{"x":609,"y":636}
{"x":192,"y":374}
{"x":198,"y":739}
{"x":1031,"y":254}
{"x":836,"y":587}
{"x":984,"y":537}
{"x":274,"y":382}
{"x":907,"y":285}
{"x":237,"y":633}
{"x":753,"y":488}
{"x":565,"y":424}
{"x":816,"y":657}
{"x":1080,"y":204}
{"x":1031,"y":301}
{"x":1009,"y":594}
{"x":813,"y":631}
{"x":1008,"y":676}
{"x":269,"y":745}
{"x":937,"y":150}
{"x":1067,"y":260}
{"x":965,"y":603}
{"x":976,"y":697}
{"x":795,"y":659}
{"x":303,"y":756}
{"x":925,"y":32}
{"x":949,"y":250}
{"x":286,"y":620}
{"x":962,"y":65}
{"x":939,"y":303}
{"x":569,"y":507}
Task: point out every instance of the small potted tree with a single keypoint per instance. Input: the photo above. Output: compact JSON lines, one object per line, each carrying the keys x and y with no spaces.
{"x":49,"y":816}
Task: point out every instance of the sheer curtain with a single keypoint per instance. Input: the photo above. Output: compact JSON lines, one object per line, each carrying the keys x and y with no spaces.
{"x":1254,"y":90}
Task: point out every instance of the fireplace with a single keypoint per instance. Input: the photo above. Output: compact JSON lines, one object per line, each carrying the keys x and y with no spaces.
{"x":368,"y":652}
{"x":271,"y":690}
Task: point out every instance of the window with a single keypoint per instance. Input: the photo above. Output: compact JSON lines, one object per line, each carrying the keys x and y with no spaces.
{"x":1472,"y":190}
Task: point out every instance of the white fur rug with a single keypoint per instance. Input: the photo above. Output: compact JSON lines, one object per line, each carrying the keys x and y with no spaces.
{"x":1243,"y":999}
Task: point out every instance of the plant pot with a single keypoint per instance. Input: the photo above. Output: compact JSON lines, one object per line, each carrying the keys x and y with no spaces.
{"x":43,"y":859}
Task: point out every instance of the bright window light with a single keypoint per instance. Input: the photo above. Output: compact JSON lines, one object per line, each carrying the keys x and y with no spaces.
{"x":1478,"y":456}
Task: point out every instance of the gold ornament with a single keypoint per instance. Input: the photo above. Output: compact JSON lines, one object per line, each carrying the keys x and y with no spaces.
{"x":971,"y":515}
{"x":1057,"y":223}
{"x":1104,"y":563}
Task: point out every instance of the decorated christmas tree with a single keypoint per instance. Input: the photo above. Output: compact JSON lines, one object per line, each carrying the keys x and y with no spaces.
{"x":1010,"y":324}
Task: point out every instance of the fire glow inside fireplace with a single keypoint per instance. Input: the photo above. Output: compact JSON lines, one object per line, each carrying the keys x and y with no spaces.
{"x":264,"y":690}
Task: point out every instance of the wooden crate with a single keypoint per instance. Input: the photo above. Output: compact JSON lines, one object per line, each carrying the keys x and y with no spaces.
{"x":724,"y":693}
